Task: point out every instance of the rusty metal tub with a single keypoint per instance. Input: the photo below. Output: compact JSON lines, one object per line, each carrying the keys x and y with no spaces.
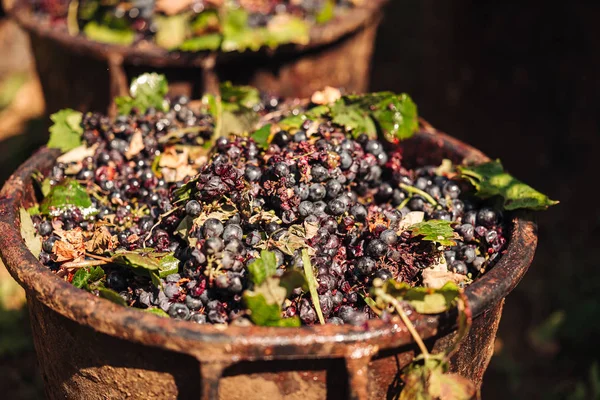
{"x":90,"y":348}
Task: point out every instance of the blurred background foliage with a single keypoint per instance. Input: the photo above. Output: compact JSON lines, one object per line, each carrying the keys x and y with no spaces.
{"x":520,"y":81}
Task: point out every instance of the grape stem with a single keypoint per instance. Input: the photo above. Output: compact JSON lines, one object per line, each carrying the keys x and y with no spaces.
{"x":82,"y":264}
{"x":409,"y":325}
{"x":403,"y":204}
{"x":414,"y":190}
{"x":160,"y":220}
{"x":100,"y":258}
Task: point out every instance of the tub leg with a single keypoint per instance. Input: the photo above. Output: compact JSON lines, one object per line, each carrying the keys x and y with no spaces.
{"x":211,"y":373}
{"x":357,"y":365}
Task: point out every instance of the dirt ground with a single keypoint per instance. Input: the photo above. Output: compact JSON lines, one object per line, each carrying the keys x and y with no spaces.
{"x":519,"y":80}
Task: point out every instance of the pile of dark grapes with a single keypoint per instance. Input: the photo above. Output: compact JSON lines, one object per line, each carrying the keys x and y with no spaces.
{"x":354,"y":192}
{"x":142,"y":16}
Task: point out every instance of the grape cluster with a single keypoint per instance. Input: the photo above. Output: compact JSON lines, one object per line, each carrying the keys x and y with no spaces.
{"x":140,"y":14}
{"x":349,"y":196}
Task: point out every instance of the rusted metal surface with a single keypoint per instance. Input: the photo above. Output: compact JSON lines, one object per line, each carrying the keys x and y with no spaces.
{"x":83,"y":340}
{"x":79,"y":73}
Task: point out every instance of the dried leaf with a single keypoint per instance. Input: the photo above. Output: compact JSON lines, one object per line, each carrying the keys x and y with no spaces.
{"x":70,"y":247}
{"x":265,"y":217}
{"x":310,"y":229}
{"x":171,"y":158}
{"x":447,"y":386}
{"x":438,"y":275}
{"x":29,"y":234}
{"x":101,"y":241}
{"x":326,"y":96}
{"x":136,"y":145}
{"x":410,"y":219}
{"x":77,"y":154}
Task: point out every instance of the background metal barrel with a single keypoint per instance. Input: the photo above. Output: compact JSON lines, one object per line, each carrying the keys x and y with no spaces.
{"x":79,"y":73}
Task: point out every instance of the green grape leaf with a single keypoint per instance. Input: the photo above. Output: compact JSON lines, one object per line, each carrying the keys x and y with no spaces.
{"x":210,"y":41}
{"x":147,"y":90}
{"x":233,"y":109}
{"x":206,"y":21}
{"x":80,"y":278}
{"x":424,"y":300}
{"x":353,"y":118}
{"x":111,"y":295}
{"x":394,"y":115}
{"x":262,"y":267}
{"x":262,"y":136}
{"x":136,"y":261}
{"x":156,"y":311}
{"x":415,"y":383}
{"x":435,"y":230}
{"x":265,"y":313}
{"x":284,"y":29}
{"x":235,"y":97}
{"x":433,"y":301}
{"x":155,"y":279}
{"x":67,"y":194}
{"x":237,"y":35}
{"x":291,"y":280}
{"x":148,"y":262}
{"x":34,"y":210}
{"x":29,"y":234}
{"x":66,"y":130}
{"x":168,"y":265}
{"x":312,"y":284}
{"x":171,"y":30}
{"x":238,"y":122}
{"x":184,"y":228}
{"x":105,"y":34}
{"x":296,"y":121}
{"x":326,"y":13}
{"x":490,"y":179}
{"x":86,"y":276}
{"x":448,"y":386}
{"x":95,"y":274}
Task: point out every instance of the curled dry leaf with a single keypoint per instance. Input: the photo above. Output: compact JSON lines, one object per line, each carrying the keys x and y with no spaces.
{"x":438,"y":275}
{"x":136,"y":145}
{"x":77,"y":154}
{"x":179,"y":174}
{"x":172,"y":159}
{"x":175,"y":165}
{"x":326,"y":96}
{"x":100,"y":241}
{"x":410,"y":219}
{"x":310,"y":229}
{"x":70,"y":247}
{"x":29,"y":233}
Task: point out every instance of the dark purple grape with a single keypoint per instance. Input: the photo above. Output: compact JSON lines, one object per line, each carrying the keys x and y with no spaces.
{"x":179,"y":311}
